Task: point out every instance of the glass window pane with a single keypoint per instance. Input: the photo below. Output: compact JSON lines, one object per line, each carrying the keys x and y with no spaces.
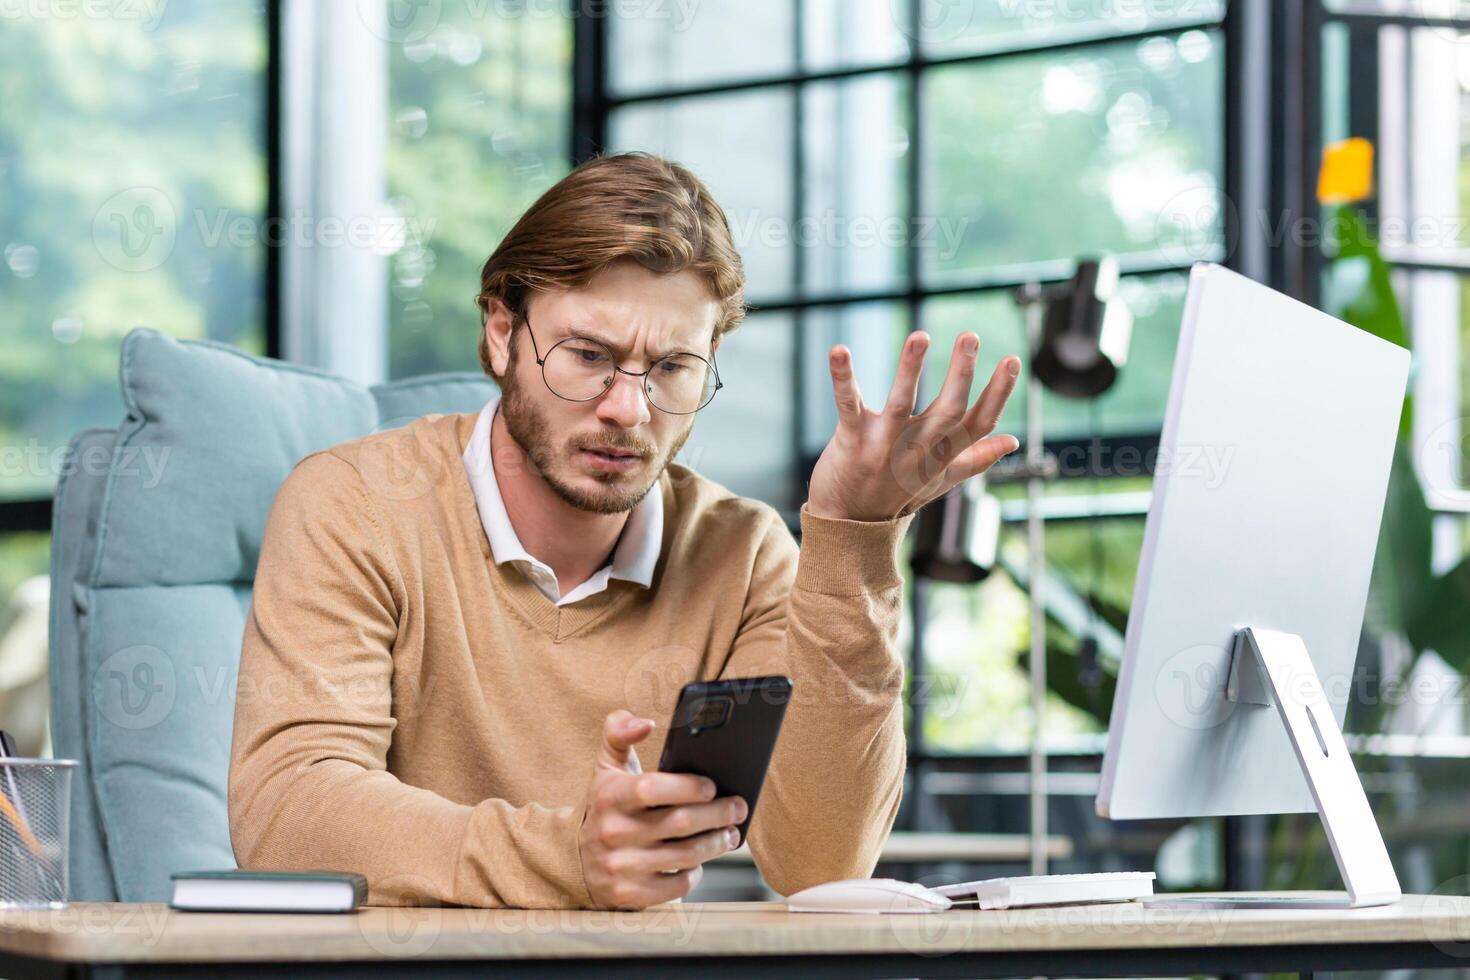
{"x":1117,"y":148}
{"x":1423,"y":146}
{"x":971,"y":26}
{"x":1438,"y":305}
{"x":855,"y":228}
{"x":24,"y":594}
{"x":874,"y":332}
{"x":677,"y":45}
{"x":848,"y":33}
{"x":712,"y":137}
{"x":744,"y":438}
{"x":480,"y":121}
{"x":983,"y":631}
{"x":1133,"y":406}
{"x":132,"y":192}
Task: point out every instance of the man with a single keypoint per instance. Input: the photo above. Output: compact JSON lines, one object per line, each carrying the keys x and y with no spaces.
{"x":450,"y":619}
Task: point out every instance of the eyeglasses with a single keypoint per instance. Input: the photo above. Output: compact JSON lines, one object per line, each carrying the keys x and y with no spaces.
{"x":579,"y":369}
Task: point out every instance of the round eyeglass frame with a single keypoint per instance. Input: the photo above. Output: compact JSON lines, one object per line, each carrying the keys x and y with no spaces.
{"x":541,"y":363}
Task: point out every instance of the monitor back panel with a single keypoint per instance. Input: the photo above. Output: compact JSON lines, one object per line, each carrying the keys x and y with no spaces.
{"x":1268,"y":495}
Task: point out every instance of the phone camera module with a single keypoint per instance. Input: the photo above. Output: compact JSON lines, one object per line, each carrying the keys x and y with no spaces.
{"x":710,"y":713}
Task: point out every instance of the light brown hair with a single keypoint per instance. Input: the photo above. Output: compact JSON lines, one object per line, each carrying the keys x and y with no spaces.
{"x":622,"y":206}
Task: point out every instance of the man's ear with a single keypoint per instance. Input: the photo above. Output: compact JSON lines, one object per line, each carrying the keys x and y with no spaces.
{"x":499,"y":322}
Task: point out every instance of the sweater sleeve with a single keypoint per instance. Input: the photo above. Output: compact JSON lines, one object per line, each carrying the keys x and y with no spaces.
{"x":309,"y":785}
{"x":827,"y":617}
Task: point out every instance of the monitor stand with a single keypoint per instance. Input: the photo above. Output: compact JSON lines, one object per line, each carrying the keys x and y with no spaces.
{"x":1268,"y":667}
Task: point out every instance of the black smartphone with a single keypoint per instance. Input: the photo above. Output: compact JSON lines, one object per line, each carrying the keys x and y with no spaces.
{"x":726,"y":731}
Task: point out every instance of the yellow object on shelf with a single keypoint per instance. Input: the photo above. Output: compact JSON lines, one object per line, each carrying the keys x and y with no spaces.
{"x":1347,"y":172}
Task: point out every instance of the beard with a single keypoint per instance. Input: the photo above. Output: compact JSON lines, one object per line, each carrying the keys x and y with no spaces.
{"x":617,"y":493}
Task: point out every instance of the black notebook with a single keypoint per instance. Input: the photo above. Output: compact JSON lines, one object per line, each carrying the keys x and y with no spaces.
{"x":268,"y":891}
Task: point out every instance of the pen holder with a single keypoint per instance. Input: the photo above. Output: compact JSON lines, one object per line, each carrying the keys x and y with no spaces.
{"x":35,"y":804}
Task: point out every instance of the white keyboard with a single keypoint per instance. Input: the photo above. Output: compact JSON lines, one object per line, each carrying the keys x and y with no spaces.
{"x":1010,"y":893}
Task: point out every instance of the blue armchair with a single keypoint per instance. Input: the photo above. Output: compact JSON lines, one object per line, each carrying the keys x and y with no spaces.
{"x":155,"y":536}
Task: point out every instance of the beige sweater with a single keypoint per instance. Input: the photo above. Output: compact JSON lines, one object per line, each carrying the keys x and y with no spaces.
{"x":410,"y":710}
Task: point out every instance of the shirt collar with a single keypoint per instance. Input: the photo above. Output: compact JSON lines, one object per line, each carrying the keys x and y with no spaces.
{"x":638,"y":547}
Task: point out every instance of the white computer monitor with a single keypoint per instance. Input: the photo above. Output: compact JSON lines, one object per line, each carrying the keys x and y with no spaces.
{"x":1268,"y":493}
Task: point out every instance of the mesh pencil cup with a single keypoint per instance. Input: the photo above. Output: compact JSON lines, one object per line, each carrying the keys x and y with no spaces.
{"x":35,"y":805}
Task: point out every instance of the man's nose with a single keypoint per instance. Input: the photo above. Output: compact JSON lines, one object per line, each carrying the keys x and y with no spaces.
{"x":624,"y":404}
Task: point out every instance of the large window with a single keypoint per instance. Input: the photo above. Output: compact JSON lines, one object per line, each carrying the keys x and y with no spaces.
{"x":891,"y":167}
{"x":133,"y":192}
{"x":479,"y":104}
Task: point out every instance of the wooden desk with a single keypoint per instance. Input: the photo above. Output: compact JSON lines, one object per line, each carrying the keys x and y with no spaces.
{"x":911,"y":848}
{"x":94,"y":939}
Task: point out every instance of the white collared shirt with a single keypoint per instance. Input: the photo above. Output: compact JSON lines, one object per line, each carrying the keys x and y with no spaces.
{"x":633,"y":559}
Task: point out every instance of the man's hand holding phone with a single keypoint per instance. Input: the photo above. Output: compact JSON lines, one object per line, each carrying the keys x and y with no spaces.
{"x":646,"y":834}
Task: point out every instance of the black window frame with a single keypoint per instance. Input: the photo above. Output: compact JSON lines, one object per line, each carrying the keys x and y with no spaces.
{"x":594,"y":102}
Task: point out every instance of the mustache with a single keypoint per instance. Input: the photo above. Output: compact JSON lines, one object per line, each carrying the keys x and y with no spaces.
{"x":619,"y":440}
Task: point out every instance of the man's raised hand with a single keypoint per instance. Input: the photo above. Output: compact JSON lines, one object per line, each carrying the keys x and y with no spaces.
{"x":880,"y":465}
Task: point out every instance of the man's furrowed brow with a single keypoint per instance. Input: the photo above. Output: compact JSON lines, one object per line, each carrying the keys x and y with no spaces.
{"x":589,"y":333}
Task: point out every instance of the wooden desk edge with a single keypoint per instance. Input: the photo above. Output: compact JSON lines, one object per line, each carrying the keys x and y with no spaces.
{"x":107,"y":933}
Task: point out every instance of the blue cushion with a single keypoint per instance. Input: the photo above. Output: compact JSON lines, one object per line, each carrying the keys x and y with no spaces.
{"x":400,"y":402}
{"x":210,"y":434}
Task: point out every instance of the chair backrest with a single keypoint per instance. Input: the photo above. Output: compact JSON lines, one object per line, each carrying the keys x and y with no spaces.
{"x":156,"y":532}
